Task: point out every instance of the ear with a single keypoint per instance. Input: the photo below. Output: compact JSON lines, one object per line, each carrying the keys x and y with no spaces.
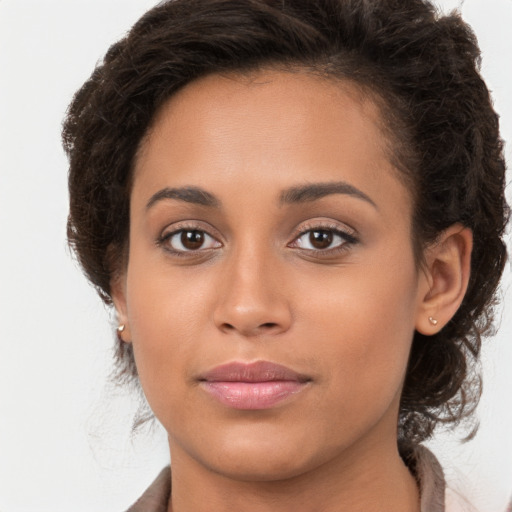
{"x":445,"y":279}
{"x":118,"y":293}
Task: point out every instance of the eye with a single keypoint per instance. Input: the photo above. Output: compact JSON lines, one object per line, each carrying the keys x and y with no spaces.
{"x":323,"y":239}
{"x":189,"y":240}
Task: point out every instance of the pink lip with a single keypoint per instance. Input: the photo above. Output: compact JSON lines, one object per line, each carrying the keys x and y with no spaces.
{"x":252,"y":386}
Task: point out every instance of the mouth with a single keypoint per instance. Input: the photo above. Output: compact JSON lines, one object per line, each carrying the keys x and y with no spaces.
{"x":252,"y":386}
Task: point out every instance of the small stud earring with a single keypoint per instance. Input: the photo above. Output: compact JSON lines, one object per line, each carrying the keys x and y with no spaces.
{"x":121,"y":328}
{"x":431,"y":319}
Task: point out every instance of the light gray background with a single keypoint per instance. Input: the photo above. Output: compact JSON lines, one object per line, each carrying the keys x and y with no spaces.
{"x":64,"y":436}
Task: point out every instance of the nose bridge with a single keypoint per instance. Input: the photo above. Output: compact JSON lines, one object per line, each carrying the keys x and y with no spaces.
{"x":251,"y":297}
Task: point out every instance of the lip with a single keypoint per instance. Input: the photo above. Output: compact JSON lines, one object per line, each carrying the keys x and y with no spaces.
{"x":252,"y":386}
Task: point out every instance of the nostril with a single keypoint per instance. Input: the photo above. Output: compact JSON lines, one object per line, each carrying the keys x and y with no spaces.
{"x":247,"y":330}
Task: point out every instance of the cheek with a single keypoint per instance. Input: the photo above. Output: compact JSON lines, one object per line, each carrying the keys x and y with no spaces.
{"x":167,"y":316}
{"x":362,"y":321}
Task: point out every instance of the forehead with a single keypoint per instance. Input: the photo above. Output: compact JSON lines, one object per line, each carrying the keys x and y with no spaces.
{"x":260,"y":98}
{"x":267,"y":127}
{"x":241,"y":89}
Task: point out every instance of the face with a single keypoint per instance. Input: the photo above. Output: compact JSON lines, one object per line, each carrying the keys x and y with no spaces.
{"x":271,"y":292}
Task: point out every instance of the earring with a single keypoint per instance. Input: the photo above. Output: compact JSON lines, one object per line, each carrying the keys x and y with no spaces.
{"x":431,"y":319}
{"x":121,"y":328}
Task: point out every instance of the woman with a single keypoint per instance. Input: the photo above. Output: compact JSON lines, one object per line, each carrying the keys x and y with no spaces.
{"x":297,"y":210}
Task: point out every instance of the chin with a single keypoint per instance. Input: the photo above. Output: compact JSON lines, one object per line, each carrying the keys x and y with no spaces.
{"x":262,"y":460}
{"x":265,"y":468}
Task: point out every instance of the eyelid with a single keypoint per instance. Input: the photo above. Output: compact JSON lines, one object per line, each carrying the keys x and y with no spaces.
{"x":325,"y":225}
{"x":188,"y":225}
{"x":171,"y":236}
{"x":348,"y":234}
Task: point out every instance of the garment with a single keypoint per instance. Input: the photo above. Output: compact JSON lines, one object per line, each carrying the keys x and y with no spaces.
{"x":156,"y":496}
{"x":422,"y":463}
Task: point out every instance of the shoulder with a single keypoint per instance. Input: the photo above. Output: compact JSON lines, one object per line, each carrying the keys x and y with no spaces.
{"x":436,"y":495}
{"x":430,"y":477}
{"x":156,"y":496}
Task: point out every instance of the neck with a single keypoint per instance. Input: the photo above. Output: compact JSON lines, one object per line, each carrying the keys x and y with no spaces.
{"x":374,"y":481}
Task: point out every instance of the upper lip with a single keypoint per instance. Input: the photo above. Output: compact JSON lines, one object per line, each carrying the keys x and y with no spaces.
{"x":259,"y":371}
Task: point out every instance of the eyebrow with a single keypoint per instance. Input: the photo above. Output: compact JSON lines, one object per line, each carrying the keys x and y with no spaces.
{"x":298,"y":194}
{"x":193,"y":195}
{"x":314,"y":191}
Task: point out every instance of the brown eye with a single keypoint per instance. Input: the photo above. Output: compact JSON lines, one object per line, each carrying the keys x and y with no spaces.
{"x":321,"y":239}
{"x":190,"y":240}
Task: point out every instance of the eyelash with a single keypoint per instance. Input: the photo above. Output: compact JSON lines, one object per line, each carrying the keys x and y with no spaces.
{"x":163,"y":240}
{"x":348,"y":237}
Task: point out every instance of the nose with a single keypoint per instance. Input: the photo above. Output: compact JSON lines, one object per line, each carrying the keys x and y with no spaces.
{"x":252,"y":300}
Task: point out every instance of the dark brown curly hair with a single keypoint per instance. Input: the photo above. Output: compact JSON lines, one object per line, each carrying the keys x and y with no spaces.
{"x":421,"y":68}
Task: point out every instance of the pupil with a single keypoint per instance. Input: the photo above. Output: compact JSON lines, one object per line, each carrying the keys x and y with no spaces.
{"x":321,"y":239}
{"x":192,"y":239}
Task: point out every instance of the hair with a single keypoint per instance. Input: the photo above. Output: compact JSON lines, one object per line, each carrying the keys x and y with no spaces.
{"x":420,"y":67}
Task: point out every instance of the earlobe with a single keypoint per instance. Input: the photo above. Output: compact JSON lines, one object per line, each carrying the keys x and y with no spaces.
{"x":118,"y":293}
{"x":445,"y":280}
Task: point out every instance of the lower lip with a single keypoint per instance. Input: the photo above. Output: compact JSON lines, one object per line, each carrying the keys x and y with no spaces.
{"x":252,"y":395}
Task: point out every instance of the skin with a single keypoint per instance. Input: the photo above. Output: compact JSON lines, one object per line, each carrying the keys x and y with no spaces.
{"x":344,"y":314}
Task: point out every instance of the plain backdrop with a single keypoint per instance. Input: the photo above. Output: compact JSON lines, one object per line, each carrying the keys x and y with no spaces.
{"x":65,"y":442}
